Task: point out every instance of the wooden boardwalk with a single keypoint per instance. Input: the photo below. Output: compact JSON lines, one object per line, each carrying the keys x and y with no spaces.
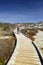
{"x":25,"y":53}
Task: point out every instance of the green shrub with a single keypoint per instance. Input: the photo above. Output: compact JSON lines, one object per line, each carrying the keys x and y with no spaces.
{"x":1,"y":62}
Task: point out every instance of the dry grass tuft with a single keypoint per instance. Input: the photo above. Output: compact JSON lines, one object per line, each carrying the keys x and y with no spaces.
{"x":6,"y":48}
{"x":30,"y":34}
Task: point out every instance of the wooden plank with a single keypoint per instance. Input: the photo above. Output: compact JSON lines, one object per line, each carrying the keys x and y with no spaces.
{"x":25,"y":53}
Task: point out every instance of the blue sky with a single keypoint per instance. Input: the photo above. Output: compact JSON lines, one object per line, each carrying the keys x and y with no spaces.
{"x":15,"y":11}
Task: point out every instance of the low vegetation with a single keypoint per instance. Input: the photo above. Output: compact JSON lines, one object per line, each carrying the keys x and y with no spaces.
{"x":6,"y":45}
{"x":6,"y":48}
{"x":1,"y":62}
{"x":41,"y":29}
{"x":30,"y":33}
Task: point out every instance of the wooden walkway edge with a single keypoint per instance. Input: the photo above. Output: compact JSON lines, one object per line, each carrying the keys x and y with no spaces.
{"x":25,"y":53}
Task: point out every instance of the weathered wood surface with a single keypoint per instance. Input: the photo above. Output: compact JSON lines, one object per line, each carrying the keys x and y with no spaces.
{"x":25,"y":53}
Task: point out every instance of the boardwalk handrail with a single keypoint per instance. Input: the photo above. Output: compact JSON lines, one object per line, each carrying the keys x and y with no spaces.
{"x":38,"y":52}
{"x":13,"y":49}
